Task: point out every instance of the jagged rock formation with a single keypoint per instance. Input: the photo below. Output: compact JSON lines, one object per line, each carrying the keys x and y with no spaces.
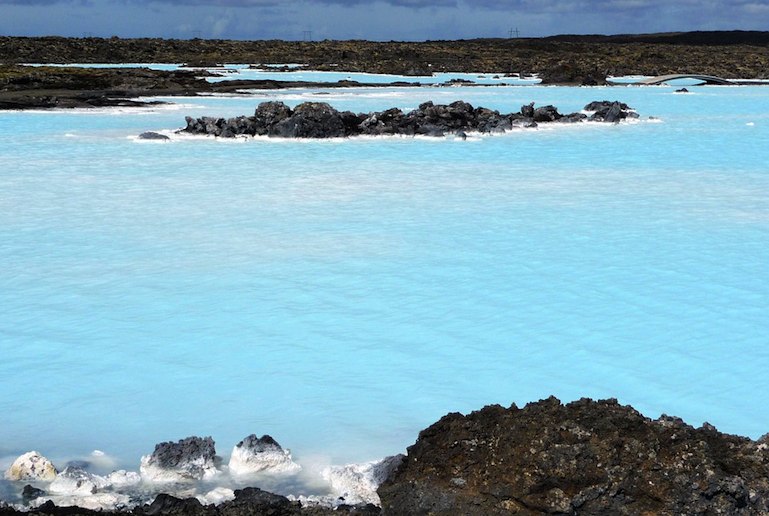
{"x":606,"y":111}
{"x":193,"y":458}
{"x":586,"y":458}
{"x":320,"y":120}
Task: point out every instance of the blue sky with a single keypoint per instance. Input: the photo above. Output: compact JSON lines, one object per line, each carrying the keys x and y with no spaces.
{"x":379,"y":20}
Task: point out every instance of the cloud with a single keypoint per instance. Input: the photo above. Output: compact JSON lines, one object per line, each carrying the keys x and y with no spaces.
{"x":44,"y":2}
{"x":761,"y":8}
{"x":378,"y":19}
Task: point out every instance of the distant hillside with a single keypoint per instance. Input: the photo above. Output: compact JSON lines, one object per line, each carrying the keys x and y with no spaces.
{"x":732,"y":37}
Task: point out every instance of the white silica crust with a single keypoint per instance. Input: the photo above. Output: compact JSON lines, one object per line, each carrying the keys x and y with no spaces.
{"x":197,"y":469}
{"x":263,"y":454}
{"x":94,"y":502}
{"x":244,"y":461}
{"x":122,"y":478}
{"x":357,"y":483}
{"x":31,"y":466}
{"x":216,"y":496}
{"x":75,"y":481}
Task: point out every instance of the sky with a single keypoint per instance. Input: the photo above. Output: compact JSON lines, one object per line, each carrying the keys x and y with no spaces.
{"x":410,"y":20}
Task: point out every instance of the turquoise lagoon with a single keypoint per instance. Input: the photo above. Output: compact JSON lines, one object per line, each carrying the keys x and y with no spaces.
{"x":342,"y":295}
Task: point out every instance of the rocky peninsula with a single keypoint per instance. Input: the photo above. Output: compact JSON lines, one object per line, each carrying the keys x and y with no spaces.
{"x":48,"y":87}
{"x":585,"y":457}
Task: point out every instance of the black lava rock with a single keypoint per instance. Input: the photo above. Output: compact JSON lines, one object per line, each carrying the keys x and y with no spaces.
{"x":320,"y":120}
{"x":587,"y":457}
{"x":150,"y":135}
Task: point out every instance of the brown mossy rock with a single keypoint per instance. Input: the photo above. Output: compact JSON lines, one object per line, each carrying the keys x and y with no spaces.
{"x":586,"y":457}
{"x":567,"y":59}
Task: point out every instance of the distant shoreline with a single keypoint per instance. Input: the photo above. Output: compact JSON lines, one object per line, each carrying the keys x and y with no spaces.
{"x":565,"y":59}
{"x":557,"y":60}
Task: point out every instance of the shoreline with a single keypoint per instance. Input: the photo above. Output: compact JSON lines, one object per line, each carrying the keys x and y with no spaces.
{"x":43,"y":87}
{"x":591,"y":457}
{"x":40,"y":87}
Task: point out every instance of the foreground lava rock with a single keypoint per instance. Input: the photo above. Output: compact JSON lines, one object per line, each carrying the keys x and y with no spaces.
{"x":586,"y":457}
{"x":250,"y":501}
{"x":320,"y":120}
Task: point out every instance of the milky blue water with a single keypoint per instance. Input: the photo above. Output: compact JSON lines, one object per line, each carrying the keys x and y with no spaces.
{"x":342,"y":295}
{"x":297,"y":72}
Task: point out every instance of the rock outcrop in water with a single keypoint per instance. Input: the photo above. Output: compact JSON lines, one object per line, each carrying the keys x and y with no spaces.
{"x":585,"y":458}
{"x":261,"y":454}
{"x":31,"y":466}
{"x":193,"y":458}
{"x":320,"y":120}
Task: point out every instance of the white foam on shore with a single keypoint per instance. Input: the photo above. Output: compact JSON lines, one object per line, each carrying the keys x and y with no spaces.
{"x":151,"y":473}
{"x":123,"y":479}
{"x":318,"y":483}
{"x":357,"y":483}
{"x":76,"y":482}
{"x":448,"y":137}
{"x":216,"y":496}
{"x":94,"y":501}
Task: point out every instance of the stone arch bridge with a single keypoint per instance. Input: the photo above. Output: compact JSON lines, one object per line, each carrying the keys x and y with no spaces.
{"x":661,"y":79}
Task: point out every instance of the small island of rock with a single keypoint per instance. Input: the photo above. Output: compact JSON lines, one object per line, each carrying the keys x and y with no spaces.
{"x":320,"y":120}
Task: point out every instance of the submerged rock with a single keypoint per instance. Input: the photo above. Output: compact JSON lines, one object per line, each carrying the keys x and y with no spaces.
{"x":76,"y":481}
{"x":261,"y":454}
{"x":31,"y":492}
{"x":193,"y":458}
{"x":31,"y":466}
{"x":586,"y":457}
{"x":151,"y":135}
